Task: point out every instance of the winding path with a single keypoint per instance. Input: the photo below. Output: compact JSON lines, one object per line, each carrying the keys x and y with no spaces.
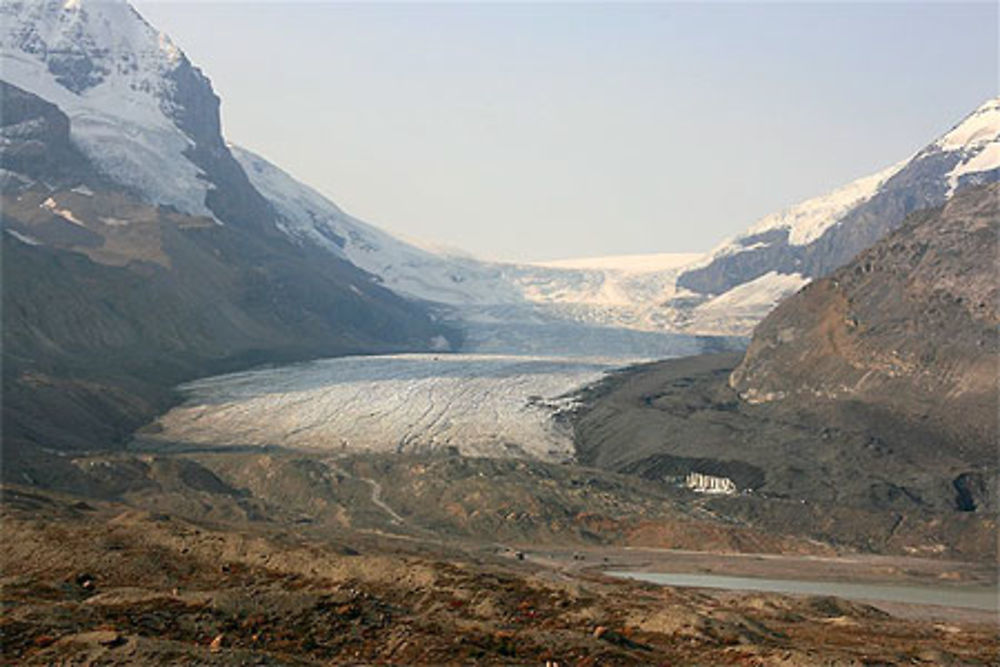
{"x":376,"y":496}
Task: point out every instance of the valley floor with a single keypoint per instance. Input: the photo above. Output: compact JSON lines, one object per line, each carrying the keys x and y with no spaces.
{"x":959,"y":588}
{"x":204,"y":543}
{"x":95,"y":581}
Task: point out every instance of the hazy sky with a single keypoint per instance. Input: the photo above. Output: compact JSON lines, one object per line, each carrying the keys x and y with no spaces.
{"x":532,"y":131}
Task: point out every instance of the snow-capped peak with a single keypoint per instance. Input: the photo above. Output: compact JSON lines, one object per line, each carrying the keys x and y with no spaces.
{"x":807,"y":221}
{"x":115,"y":76}
{"x":979,"y":128}
{"x":87,"y":45}
{"x":976,"y":140}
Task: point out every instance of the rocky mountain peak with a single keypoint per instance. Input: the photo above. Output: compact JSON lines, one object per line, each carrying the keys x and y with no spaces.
{"x":92,"y":47}
{"x":138,"y":109}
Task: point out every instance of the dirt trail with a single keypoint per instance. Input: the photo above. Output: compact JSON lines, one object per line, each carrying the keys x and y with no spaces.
{"x":376,"y":496}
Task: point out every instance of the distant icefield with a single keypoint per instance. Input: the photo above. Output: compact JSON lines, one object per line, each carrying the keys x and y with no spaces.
{"x":497,"y":406}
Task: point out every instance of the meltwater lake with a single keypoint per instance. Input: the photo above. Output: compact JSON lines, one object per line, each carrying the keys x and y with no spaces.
{"x":982,"y":598}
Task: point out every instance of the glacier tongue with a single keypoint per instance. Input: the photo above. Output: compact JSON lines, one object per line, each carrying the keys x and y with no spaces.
{"x":481,"y":405}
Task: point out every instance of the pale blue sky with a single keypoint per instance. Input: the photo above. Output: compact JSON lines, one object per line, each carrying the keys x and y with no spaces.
{"x":531,"y":131}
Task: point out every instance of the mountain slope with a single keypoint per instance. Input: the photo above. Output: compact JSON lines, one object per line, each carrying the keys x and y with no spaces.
{"x":864,"y":410}
{"x":309,"y":218}
{"x":820,"y":235}
{"x":139,"y":110}
{"x":910,"y":326}
{"x":136,"y":252}
{"x":726,"y":292}
{"x":148,"y":120}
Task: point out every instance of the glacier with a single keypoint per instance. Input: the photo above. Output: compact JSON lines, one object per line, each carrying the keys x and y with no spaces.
{"x":481,"y":405}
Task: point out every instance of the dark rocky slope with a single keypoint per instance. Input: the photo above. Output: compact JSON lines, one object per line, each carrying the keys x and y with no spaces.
{"x":864,"y":411}
{"x":109,"y":301}
{"x":909,"y":328}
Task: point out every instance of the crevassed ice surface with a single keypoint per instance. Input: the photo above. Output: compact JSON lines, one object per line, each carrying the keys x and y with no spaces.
{"x":495,"y":406}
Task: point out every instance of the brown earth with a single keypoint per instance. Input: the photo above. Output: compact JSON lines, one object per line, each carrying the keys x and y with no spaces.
{"x":103,"y":582}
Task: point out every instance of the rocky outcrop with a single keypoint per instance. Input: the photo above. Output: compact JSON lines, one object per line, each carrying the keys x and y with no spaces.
{"x":195,"y":108}
{"x":34,"y":139}
{"x":865,"y":409}
{"x":908,"y":327}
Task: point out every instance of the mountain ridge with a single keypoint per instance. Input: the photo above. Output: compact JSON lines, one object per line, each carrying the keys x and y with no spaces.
{"x":821,"y":234}
{"x":117,"y":155}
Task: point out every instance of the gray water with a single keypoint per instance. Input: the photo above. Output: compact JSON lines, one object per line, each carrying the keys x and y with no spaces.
{"x":969,"y":598}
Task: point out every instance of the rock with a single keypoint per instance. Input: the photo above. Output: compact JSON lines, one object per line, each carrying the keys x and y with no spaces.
{"x":106,"y":638}
{"x":217,"y":643}
{"x":111,"y":639}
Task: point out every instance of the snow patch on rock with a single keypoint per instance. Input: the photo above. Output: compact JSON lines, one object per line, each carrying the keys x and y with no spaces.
{"x":738,"y":310}
{"x":64,"y":213}
{"x":23,"y":238}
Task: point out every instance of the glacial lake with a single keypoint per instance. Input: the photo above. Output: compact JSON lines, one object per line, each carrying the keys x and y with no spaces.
{"x":969,"y":598}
